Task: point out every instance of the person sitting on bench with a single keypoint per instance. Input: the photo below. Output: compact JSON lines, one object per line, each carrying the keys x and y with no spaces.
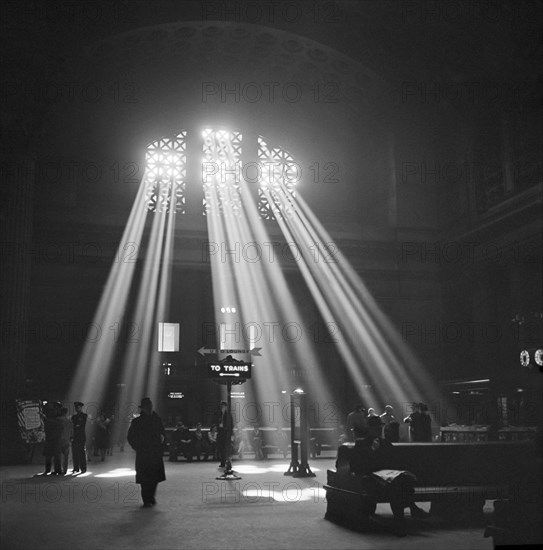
{"x":181,"y":443}
{"x":373,"y":459}
{"x":257,"y":443}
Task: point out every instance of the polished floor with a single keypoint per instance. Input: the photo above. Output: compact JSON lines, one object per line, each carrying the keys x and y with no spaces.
{"x":263,"y":510}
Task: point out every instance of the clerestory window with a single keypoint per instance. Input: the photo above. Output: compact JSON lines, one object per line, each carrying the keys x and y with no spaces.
{"x":272,"y":176}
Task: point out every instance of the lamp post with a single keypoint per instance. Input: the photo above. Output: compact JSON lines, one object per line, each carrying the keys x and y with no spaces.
{"x":299,"y":435}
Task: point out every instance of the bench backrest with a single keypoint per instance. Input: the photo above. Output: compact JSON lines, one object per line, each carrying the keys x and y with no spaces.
{"x":459,"y":463}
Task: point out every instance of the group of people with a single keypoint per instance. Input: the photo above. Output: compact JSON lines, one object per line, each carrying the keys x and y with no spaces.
{"x":373,"y":457}
{"x":419,"y":421}
{"x":198,"y":443}
{"x":147,"y":437}
{"x":216,"y":443}
{"x":202,"y":444}
{"x":62,"y":432}
{"x":253,"y":441}
{"x":373,"y":461}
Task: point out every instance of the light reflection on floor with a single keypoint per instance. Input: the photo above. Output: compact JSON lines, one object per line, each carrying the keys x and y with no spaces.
{"x":261,"y":469}
{"x":288,"y":494}
{"x":118,"y":472}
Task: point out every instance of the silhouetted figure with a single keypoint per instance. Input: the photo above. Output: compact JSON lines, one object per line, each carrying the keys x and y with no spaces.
{"x":391,"y":426}
{"x":375,"y":421}
{"x":256,"y":440}
{"x":146,"y":436}
{"x":420,"y":424}
{"x":212,"y":438}
{"x":180,"y":443}
{"x":200,"y":444}
{"x":225,"y":427}
{"x":241,"y":444}
{"x":112,"y":434}
{"x":373,"y":458}
{"x":79,"y":437}
{"x":357,"y":423}
{"x":53,"y":434}
{"x":65,"y":438}
{"x":102,"y":436}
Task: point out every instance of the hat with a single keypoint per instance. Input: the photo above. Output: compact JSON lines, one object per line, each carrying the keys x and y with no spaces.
{"x":78,"y":404}
{"x":146,"y":401}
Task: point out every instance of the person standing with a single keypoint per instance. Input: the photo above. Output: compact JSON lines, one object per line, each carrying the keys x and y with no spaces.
{"x":65,"y":438}
{"x":357,"y":424}
{"x":426,"y":423}
{"x":146,"y":436}
{"x":212,"y":439}
{"x":420,"y":428}
{"x":226,"y":425}
{"x":102,"y":437}
{"x":53,"y":434}
{"x":79,"y":437}
{"x":255,"y":437}
{"x":391,"y":429}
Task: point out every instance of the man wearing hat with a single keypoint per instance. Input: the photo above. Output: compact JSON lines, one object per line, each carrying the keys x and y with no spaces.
{"x":146,"y":436}
{"x":79,"y":437}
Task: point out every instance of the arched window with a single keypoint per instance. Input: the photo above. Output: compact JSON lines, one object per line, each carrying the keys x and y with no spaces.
{"x":222,"y":170}
{"x":165,"y":174}
{"x":279,"y":176}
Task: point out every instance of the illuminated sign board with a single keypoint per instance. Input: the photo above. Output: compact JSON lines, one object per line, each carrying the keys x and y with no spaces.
{"x":224,"y":371}
{"x":176,"y":395}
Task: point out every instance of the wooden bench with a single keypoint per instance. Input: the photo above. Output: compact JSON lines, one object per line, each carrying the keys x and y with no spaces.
{"x":322,"y":439}
{"x":457,"y":478}
{"x":274,"y":441}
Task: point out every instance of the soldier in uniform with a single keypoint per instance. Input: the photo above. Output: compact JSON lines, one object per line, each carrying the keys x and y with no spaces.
{"x":79,"y":452}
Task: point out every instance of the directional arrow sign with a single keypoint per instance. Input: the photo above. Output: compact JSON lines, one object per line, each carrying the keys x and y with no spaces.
{"x":238,"y":369}
{"x":208,"y":351}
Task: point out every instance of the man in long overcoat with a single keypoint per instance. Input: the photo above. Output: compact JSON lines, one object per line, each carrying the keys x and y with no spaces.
{"x":146,"y":436}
